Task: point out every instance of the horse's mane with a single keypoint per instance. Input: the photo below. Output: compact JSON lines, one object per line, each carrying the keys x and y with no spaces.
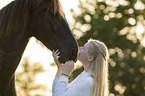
{"x":14,"y":16}
{"x":17,"y":14}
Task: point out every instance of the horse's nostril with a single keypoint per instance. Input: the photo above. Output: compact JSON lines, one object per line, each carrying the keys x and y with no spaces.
{"x":73,"y":53}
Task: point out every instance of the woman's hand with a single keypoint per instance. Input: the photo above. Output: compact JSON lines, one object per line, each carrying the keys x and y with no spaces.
{"x":68,"y":67}
{"x":56,"y":56}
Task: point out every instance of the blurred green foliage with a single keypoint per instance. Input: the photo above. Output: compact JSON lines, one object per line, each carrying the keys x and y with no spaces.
{"x":120,"y":25}
{"x":25,"y":79}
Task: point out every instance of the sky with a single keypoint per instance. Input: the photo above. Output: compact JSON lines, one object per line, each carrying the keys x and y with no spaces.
{"x":36,"y":53}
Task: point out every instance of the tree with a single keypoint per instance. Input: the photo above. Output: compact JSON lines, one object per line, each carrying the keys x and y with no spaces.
{"x":25,"y":79}
{"x":120,"y":25}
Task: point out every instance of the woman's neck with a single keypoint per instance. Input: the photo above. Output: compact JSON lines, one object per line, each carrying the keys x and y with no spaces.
{"x":86,"y":66}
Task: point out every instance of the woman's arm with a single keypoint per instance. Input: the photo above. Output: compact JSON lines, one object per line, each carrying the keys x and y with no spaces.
{"x":61,"y":84}
{"x":54,"y":84}
{"x":62,"y":73}
{"x":56,"y":56}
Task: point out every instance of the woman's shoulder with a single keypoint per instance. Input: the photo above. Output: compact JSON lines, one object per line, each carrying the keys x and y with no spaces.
{"x":87,"y":76}
{"x":86,"y":79}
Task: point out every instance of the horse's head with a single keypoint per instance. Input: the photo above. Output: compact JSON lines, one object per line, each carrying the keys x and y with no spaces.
{"x":49,"y":26}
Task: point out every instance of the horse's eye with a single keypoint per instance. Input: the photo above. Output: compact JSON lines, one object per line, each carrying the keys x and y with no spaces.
{"x":57,"y":14}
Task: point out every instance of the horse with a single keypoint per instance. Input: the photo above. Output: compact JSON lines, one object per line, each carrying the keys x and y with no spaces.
{"x":22,"y":19}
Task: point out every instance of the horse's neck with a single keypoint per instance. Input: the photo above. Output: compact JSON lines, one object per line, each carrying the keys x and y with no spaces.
{"x":14,"y":44}
{"x":11,"y":50}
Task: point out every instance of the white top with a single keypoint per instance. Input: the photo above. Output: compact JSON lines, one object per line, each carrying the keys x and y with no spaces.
{"x":80,"y":86}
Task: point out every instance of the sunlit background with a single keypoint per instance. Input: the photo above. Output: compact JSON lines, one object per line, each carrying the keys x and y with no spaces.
{"x":38,"y":54}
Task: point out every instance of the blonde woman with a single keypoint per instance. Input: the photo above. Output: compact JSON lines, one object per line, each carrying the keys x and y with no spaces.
{"x":93,"y":81}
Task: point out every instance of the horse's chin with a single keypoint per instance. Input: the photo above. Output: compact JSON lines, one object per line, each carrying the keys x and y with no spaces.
{"x":75,"y":60}
{"x":63,"y":60}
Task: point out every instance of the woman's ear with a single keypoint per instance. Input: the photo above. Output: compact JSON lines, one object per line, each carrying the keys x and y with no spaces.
{"x":91,"y":58}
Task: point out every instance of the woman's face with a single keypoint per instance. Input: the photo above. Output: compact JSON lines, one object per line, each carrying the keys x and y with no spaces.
{"x":83,"y":53}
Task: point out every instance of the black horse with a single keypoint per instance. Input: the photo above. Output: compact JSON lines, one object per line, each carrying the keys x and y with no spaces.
{"x":22,"y":19}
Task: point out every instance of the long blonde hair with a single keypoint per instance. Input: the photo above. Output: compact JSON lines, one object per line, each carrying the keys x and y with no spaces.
{"x":98,"y":68}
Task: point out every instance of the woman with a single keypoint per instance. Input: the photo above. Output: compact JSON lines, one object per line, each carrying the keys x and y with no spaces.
{"x":93,"y":81}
